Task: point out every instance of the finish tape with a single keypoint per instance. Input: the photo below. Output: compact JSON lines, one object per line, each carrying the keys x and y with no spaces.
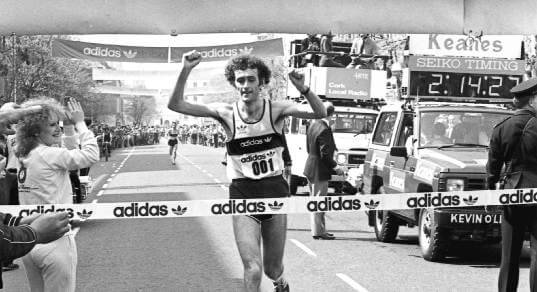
{"x":292,"y":205}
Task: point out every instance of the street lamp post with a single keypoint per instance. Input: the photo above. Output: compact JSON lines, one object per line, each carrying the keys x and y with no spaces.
{"x":14,"y":51}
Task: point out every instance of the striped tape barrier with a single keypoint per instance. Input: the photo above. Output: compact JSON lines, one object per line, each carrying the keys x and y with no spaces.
{"x":292,"y":205}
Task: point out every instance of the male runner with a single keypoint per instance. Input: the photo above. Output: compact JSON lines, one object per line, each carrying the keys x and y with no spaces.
{"x":172,"y":141}
{"x":254,"y":127}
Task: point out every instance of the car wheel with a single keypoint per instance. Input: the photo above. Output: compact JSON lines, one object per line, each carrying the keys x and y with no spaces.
{"x":430,"y":237}
{"x":386,"y":226}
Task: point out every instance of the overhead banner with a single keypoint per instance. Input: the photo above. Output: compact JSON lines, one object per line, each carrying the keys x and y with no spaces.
{"x":488,"y":46}
{"x":117,"y":53}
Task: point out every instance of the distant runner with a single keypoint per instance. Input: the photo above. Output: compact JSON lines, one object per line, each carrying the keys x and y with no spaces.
{"x":172,"y":141}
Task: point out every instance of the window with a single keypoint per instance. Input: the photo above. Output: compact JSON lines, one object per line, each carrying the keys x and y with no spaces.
{"x":406,"y":130}
{"x":384,"y":131}
{"x":446,"y":127}
{"x":357,"y":123}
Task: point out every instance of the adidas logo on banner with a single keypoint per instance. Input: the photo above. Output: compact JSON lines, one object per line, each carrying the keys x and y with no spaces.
{"x":130,"y":54}
{"x":275,"y":206}
{"x":470,"y":200}
{"x":268,"y":139}
{"x":84,"y":214}
{"x":246,"y":50}
{"x":179,"y":210}
{"x":372,"y":204}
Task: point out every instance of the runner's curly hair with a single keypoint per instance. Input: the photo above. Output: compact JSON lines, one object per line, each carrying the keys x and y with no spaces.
{"x":243,"y":62}
{"x":29,"y":128}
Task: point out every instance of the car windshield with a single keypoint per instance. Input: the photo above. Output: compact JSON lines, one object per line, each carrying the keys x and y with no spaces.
{"x":457,"y":128}
{"x":357,"y":123}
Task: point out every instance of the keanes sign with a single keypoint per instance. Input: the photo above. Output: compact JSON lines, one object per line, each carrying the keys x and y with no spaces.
{"x":490,"y":46}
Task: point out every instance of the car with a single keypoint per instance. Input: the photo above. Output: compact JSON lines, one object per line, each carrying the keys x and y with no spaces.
{"x":428,"y":147}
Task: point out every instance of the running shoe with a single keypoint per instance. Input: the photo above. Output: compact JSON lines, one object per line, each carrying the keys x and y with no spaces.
{"x":281,"y":288}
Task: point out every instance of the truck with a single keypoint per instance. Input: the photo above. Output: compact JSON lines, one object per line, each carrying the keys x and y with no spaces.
{"x":356,"y":95}
{"x":434,"y":140}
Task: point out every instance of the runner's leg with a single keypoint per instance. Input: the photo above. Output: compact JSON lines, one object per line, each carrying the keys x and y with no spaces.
{"x":175,"y":152}
{"x":248,"y":238}
{"x":274,"y":233}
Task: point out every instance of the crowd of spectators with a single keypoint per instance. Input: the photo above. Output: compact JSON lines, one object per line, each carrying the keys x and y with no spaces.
{"x":211,"y":135}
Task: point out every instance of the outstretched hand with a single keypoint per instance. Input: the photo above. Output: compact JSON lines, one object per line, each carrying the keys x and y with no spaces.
{"x":74,"y":111}
{"x":12,"y":115}
{"x":191,"y":59}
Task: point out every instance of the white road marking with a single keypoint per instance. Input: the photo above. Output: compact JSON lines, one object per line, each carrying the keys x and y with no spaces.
{"x":105,"y":186}
{"x":223,"y":187}
{"x":351,"y":282}
{"x":112,"y":175}
{"x":100,"y":193}
{"x":94,"y":201}
{"x":303,"y":247}
{"x":217,"y":181}
{"x":109,"y":180}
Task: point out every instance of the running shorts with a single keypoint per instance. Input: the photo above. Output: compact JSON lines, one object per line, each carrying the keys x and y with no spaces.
{"x":266,"y":188}
{"x":172,"y":142}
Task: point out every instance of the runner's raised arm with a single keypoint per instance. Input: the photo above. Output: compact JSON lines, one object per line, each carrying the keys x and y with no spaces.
{"x":315,"y":108}
{"x":177,"y":102}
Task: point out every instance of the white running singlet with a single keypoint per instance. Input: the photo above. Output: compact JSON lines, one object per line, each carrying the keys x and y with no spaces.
{"x":255,"y":149}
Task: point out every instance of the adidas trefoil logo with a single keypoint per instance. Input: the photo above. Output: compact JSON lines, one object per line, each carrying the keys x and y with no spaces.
{"x":130,"y":54}
{"x":245,"y":50}
{"x":470,"y":200}
{"x":372,"y":204}
{"x":179,"y":210}
{"x":241,"y":127}
{"x":271,"y":153}
{"x":84,"y":214}
{"x":275,"y":206}
{"x":267,"y":139}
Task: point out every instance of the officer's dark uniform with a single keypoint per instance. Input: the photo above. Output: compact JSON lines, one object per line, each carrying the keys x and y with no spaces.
{"x":15,"y":241}
{"x":515,"y":139}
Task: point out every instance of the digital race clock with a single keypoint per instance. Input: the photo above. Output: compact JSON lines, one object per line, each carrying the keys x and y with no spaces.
{"x":464,"y":78}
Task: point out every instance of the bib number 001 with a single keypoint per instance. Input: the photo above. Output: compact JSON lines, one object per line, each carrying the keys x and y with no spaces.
{"x":262,"y":166}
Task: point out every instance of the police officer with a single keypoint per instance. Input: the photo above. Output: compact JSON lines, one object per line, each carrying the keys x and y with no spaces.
{"x":514,"y":143}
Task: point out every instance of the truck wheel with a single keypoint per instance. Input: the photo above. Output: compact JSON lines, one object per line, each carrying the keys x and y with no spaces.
{"x":430,"y":240}
{"x":293,"y":185}
{"x":386,"y":226}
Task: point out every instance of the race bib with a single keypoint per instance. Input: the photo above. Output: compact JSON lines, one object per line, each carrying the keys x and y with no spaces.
{"x":262,"y":164}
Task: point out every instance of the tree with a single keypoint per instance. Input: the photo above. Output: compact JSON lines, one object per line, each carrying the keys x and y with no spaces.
{"x":32,"y":71}
{"x":142,"y":109}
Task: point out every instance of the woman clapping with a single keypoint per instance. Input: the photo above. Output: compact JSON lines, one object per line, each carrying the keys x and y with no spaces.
{"x":44,"y":179}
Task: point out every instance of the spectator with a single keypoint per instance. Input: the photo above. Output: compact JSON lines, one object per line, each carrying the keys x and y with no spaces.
{"x":310,"y":43}
{"x":326,"y":47}
{"x":17,"y":237}
{"x":320,"y":165}
{"x":44,"y":179}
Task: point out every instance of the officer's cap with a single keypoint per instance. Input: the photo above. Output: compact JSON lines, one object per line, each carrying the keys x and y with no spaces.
{"x":526,"y":88}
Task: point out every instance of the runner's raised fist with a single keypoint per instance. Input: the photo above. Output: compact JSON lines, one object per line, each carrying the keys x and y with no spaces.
{"x":191,"y":59}
{"x":297,"y":79}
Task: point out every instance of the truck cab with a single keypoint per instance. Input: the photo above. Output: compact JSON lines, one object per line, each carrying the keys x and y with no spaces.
{"x":428,"y":147}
